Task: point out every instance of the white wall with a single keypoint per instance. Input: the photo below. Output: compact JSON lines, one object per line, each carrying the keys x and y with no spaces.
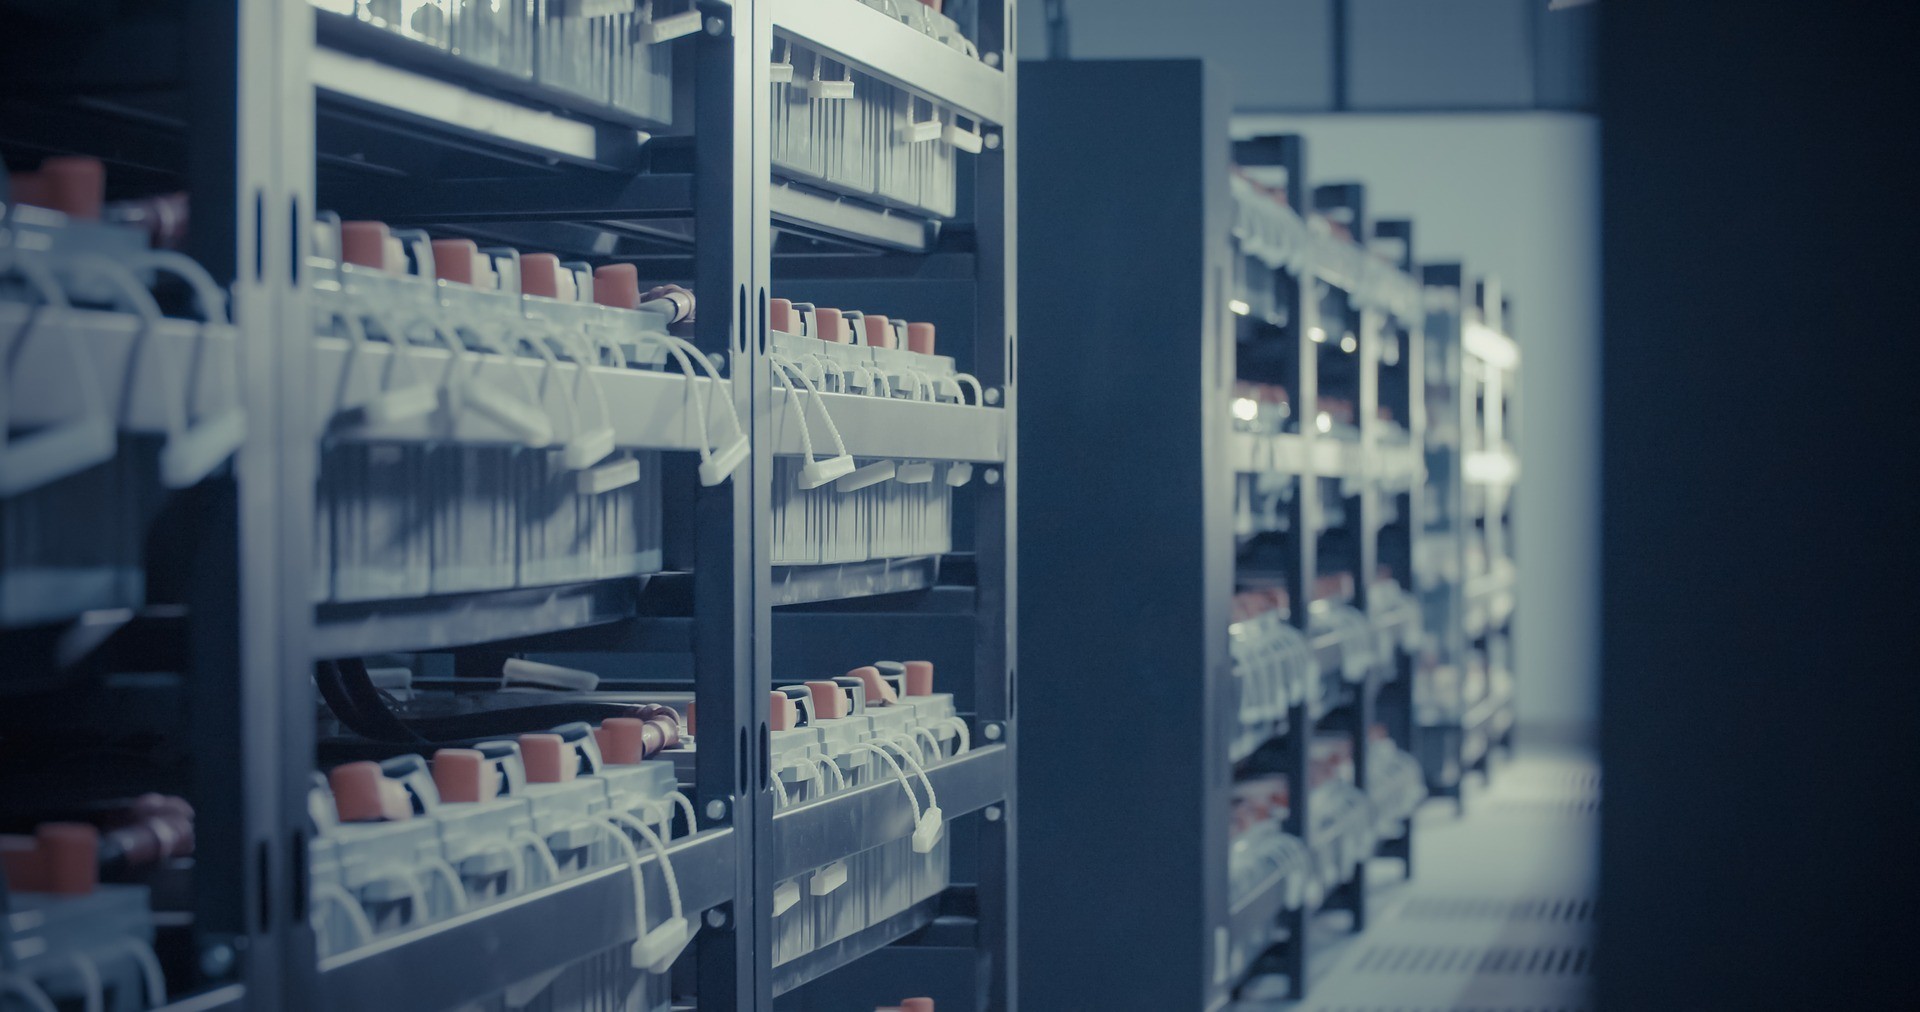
{"x":1516,"y":195}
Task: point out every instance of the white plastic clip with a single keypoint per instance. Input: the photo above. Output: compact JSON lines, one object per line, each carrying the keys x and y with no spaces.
{"x":782,"y":70}
{"x":607,"y":477}
{"x":963,"y":139}
{"x":715,"y":469}
{"x":926,"y":831}
{"x":828,"y":879}
{"x":815,"y":473}
{"x":917,"y":473}
{"x":829,"y":88}
{"x":673,"y":26}
{"x":872,"y":474}
{"x":786,"y":896}
{"x":959,"y":473}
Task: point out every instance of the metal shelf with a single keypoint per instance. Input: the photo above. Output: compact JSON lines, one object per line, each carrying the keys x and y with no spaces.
{"x":653,"y":410}
{"x":347,"y":36}
{"x":891,"y":427}
{"x":1285,"y":453}
{"x":823,"y":215}
{"x":854,"y":33}
{"x":841,"y":825}
{"x":841,"y":581}
{"x":425,"y":100}
{"x":457,"y":620}
{"x":140,"y":369}
{"x":812,"y":966}
{"x":479,"y":953}
{"x":230,"y":998}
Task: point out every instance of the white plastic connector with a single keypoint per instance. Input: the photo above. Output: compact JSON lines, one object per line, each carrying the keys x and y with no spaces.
{"x":959,"y":473}
{"x":827,"y":879}
{"x":786,"y":896}
{"x":588,"y":449}
{"x":55,"y":451}
{"x":607,"y":477}
{"x":916,"y":473}
{"x":662,"y":945}
{"x":815,"y":473}
{"x":673,"y":26}
{"x":724,"y":461}
{"x":871,"y":474}
{"x":926,"y":831}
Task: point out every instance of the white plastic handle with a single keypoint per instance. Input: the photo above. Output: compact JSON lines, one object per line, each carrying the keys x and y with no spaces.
{"x":871,"y":474}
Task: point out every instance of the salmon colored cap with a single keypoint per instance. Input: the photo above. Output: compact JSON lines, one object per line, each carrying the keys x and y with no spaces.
{"x":358,"y":794}
{"x":828,"y":699}
{"x":878,"y":691}
{"x":916,"y":1005}
{"x":690,"y":717}
{"x":617,"y":285}
{"x":76,"y":187}
{"x":780,"y":315}
{"x":622,"y":740}
{"x":920,"y":338}
{"x":364,"y":243}
{"x":540,"y":275}
{"x":22,"y":865}
{"x":831,"y":324}
{"x":457,"y":773}
{"x":879,"y":332}
{"x":453,"y":259}
{"x":545,"y":756}
{"x":70,"y":855}
{"x":782,"y":712}
{"x":919,"y":678}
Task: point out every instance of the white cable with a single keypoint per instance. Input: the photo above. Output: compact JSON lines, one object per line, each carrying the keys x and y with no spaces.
{"x":685,"y":804}
{"x":839,"y":778}
{"x":666,"y":862}
{"x":898,"y":773}
{"x":610,"y":823}
{"x":819,"y":405}
{"x":150,"y":971}
{"x":780,"y":792}
{"x":356,"y":917}
{"x":979,"y":396}
{"x":932,"y":742}
{"x":799,"y":410}
{"x":29,"y":991}
{"x":96,"y":997}
{"x":531,"y":841}
{"x":455,"y":888}
{"x":694,"y":393}
{"x":966,"y":736}
{"x":713,"y":374}
{"x":933,"y":800}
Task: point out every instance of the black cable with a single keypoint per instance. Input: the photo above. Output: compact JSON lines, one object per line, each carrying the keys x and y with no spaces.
{"x":350,"y":693}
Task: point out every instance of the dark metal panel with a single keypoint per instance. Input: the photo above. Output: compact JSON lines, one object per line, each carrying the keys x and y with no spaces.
{"x":1127,"y":570}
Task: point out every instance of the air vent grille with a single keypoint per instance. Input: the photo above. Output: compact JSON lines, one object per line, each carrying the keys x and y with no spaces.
{"x":1560,"y":910}
{"x":1556,"y":961}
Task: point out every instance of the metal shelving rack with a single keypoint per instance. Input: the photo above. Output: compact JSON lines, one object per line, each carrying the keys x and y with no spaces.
{"x":1466,"y":701}
{"x":270,"y":112}
{"x":1144,"y":324}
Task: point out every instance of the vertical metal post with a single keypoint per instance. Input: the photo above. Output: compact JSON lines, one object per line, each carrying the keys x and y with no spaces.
{"x":995,"y":544}
{"x":247,"y":892}
{"x":730,"y":518}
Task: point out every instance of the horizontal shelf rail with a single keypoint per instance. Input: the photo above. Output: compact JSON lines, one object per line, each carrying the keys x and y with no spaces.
{"x":502,"y":944}
{"x":854,"y":33}
{"x":838,"y":826}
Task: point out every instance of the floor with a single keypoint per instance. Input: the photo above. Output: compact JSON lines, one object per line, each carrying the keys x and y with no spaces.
{"x":1499,"y":916}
